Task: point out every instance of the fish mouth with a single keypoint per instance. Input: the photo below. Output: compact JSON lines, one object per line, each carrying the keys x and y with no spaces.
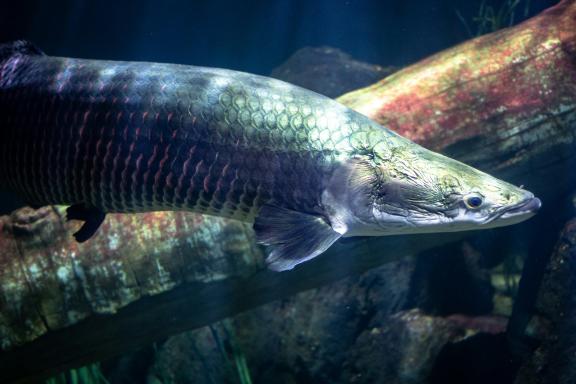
{"x":527,"y":207}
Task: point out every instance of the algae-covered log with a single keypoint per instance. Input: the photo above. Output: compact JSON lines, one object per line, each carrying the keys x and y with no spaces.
{"x":148,"y":276}
{"x":49,"y":281}
{"x":142,"y":278}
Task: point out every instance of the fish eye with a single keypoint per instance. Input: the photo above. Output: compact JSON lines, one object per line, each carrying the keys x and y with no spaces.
{"x":473,"y":201}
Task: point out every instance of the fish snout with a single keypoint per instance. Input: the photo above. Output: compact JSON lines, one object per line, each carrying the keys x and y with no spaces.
{"x":528,"y":206}
{"x":533,"y":205}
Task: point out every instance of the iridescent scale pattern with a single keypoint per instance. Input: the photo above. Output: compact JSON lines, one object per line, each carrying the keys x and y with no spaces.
{"x":128,"y":137}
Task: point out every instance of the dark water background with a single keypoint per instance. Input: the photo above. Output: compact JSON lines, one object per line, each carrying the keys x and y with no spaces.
{"x":250,"y":35}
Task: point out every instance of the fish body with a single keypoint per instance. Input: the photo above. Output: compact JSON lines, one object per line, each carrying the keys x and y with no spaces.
{"x":105,"y":136}
{"x":129,"y":137}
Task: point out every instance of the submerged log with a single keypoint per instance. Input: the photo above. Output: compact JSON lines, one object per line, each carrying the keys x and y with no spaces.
{"x":142,"y":278}
{"x":148,"y":276}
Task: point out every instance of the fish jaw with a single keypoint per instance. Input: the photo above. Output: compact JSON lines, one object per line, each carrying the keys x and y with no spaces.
{"x":519,"y":213}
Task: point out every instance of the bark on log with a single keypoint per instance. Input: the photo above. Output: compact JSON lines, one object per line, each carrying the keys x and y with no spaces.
{"x":505,"y":102}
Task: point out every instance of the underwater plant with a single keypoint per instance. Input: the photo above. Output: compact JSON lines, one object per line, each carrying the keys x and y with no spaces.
{"x":231,"y":351}
{"x":490,"y":19}
{"x":89,"y":374}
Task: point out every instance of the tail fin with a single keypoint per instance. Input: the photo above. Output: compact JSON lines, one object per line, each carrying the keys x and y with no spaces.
{"x":22,"y":47}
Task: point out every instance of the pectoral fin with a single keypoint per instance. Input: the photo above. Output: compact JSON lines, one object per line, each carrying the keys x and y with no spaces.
{"x":292,"y":237}
{"x":92,"y":218}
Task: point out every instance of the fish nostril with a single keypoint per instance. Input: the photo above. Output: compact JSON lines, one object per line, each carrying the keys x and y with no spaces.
{"x":528,"y":196}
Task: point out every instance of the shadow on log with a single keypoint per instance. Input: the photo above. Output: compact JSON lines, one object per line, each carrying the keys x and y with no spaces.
{"x":505,"y":102}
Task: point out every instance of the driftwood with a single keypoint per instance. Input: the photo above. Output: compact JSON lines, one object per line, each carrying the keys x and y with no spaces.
{"x":505,"y":102}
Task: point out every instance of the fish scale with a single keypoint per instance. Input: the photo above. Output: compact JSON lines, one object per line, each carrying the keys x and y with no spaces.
{"x":127,"y":137}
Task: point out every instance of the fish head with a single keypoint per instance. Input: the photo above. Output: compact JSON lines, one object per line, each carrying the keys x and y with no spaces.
{"x":413,"y":190}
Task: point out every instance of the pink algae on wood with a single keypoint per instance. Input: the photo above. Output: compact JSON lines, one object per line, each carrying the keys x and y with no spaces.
{"x":479,"y":88}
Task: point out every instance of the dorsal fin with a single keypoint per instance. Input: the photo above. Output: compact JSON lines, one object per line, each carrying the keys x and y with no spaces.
{"x":21,"y":47}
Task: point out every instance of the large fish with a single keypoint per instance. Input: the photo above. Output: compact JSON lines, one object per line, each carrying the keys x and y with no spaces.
{"x":105,"y":136}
